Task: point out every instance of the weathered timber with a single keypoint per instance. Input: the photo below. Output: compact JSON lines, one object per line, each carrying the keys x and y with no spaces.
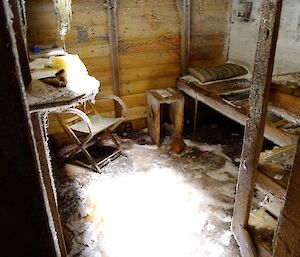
{"x":209,"y":32}
{"x":262,"y":227}
{"x":148,"y":39}
{"x":22,"y":48}
{"x":288,"y":233}
{"x":155,"y":100}
{"x":254,"y":131}
{"x":114,"y":49}
{"x":285,"y":101}
{"x":25,"y":212}
{"x":185,"y":13}
{"x":236,"y":112}
{"x":274,"y":170}
{"x":39,"y":122}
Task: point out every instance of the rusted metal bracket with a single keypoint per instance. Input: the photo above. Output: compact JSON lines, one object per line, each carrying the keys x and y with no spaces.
{"x":254,"y":131}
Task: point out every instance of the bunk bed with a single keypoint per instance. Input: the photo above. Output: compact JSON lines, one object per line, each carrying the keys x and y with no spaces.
{"x":230,"y":97}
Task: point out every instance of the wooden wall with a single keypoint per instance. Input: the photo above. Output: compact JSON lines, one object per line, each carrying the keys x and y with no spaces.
{"x":244,"y":35}
{"x":149,"y":43}
{"x":209,"y":31}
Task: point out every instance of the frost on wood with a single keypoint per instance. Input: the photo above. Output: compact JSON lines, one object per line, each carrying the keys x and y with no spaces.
{"x":152,"y":204}
{"x":63,"y":10}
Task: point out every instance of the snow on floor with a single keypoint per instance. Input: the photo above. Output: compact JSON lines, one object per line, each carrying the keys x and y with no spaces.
{"x":151,"y":204}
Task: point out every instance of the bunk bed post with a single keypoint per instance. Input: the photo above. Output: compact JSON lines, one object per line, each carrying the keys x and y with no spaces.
{"x":287,"y":236}
{"x":112,"y":6}
{"x":185,"y":14}
{"x":254,"y":130}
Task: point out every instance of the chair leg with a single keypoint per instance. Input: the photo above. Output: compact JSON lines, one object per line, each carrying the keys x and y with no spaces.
{"x":81,"y":145}
{"x":112,"y":138}
{"x":91,"y":160}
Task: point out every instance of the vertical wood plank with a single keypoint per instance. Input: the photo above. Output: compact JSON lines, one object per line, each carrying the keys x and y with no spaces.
{"x":22,"y":48}
{"x":153,"y":120}
{"x":185,"y":13}
{"x":287,"y":236}
{"x":24,"y":214}
{"x":177,"y":115}
{"x":112,"y":6}
{"x":39,"y":121}
{"x":253,"y":137}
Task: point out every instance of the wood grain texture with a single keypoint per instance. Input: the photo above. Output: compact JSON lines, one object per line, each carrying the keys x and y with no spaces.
{"x":288,"y":232}
{"x":254,"y":131}
{"x":209,"y":32}
{"x":25,"y":227}
{"x":149,"y":41}
{"x":211,"y":99}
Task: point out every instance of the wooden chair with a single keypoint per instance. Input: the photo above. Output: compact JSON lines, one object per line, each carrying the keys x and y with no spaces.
{"x":85,"y":127}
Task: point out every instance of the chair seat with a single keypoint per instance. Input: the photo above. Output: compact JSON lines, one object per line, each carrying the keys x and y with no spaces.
{"x":99,"y":123}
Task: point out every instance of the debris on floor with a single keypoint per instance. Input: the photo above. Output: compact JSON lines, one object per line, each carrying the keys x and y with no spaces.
{"x":152,"y":202}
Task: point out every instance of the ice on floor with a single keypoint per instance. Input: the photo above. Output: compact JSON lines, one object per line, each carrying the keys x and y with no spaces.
{"x":152,"y":204}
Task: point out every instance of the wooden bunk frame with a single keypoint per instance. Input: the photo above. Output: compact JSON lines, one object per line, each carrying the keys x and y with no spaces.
{"x":288,"y":231}
{"x":218,"y":96}
{"x":254,"y":117}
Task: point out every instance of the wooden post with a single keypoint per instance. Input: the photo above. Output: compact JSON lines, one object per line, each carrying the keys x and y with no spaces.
{"x":153,"y":119}
{"x":22,"y":48}
{"x":287,"y":236}
{"x":254,"y":131}
{"x":39,"y":122}
{"x":25,"y":214}
{"x":184,"y":6}
{"x":114,"y":49}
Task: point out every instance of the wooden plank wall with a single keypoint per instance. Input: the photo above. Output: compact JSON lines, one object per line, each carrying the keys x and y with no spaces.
{"x":149,"y":43}
{"x":209,"y":31}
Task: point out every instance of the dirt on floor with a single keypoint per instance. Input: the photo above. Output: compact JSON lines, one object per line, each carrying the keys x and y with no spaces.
{"x":154,"y":201}
{"x":150,"y":202}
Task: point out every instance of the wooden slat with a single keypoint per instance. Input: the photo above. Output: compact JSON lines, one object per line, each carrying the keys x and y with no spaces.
{"x":114,"y":50}
{"x":288,"y":233}
{"x":285,"y":101}
{"x":22,"y":47}
{"x":254,"y":131}
{"x":25,"y":215}
{"x":40,"y":128}
{"x":262,"y":227}
{"x":229,"y":110}
{"x":185,"y":35}
{"x":148,"y":39}
{"x":141,"y":86}
{"x":209,"y":32}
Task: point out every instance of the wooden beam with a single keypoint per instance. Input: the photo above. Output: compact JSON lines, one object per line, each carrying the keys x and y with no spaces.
{"x":254,"y":131}
{"x":112,"y":6}
{"x":39,"y":122}
{"x":185,"y":14}
{"x":22,"y":47}
{"x":288,"y":233}
{"x":24,"y":207}
{"x":237,"y":114}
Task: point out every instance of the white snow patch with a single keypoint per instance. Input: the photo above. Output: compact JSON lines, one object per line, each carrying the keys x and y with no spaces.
{"x":158,"y":208}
